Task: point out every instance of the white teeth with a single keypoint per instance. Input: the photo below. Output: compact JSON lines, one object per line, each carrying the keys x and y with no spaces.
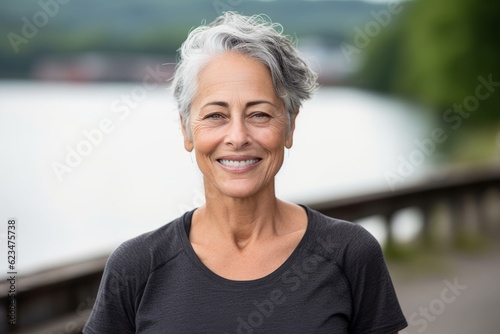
{"x":233,"y":163}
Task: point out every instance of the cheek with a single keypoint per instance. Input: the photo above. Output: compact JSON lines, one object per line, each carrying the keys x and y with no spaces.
{"x":275,"y":135}
{"x":198,"y":131}
{"x":205,"y":138}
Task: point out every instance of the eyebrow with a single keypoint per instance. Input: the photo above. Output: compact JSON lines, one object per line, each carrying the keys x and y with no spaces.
{"x":248,"y":104}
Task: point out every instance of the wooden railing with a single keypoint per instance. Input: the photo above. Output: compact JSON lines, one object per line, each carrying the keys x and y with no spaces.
{"x":468,"y":201}
{"x":54,"y":301}
{"x":59,"y":300}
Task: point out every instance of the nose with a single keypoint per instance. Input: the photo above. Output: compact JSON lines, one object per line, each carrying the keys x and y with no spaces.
{"x":237,"y":134}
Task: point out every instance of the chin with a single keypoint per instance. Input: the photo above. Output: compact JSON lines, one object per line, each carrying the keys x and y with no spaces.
{"x":240,"y":190}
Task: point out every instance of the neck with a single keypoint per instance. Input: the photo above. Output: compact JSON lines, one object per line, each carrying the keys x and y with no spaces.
{"x":241,"y":221}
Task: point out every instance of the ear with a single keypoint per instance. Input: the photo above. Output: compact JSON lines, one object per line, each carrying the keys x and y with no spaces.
{"x":289,"y":136}
{"x":188,"y":143}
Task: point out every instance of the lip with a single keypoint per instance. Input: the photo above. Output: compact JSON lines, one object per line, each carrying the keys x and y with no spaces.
{"x":239,"y":169}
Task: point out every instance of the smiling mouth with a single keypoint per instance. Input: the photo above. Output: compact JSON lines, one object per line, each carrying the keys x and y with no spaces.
{"x":236,"y":163}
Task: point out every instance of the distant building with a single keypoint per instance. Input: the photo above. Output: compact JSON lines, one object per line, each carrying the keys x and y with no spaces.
{"x":100,"y":67}
{"x":326,"y":57}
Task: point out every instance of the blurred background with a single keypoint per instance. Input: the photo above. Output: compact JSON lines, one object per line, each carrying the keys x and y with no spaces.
{"x":403,"y":137}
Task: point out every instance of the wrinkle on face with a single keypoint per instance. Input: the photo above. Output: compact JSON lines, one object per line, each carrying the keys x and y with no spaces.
{"x":236,"y":111}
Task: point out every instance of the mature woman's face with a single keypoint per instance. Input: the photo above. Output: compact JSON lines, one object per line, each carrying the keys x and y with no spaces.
{"x":238,"y":126}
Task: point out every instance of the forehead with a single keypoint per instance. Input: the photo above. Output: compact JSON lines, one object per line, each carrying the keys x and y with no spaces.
{"x":231,"y":75}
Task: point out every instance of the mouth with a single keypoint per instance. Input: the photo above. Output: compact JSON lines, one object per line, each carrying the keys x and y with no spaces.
{"x":238,"y":163}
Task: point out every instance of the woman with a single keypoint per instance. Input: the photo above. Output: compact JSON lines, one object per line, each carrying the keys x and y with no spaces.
{"x":245,"y":262}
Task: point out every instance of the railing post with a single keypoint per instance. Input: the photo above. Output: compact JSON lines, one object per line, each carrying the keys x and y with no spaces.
{"x":491,"y":211}
{"x":389,"y":241}
{"x":466,"y":219}
{"x":427,"y":237}
{"x":443,"y":229}
{"x":456,"y":216}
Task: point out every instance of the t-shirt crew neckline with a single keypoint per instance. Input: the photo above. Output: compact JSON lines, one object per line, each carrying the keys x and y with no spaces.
{"x":185,"y":227}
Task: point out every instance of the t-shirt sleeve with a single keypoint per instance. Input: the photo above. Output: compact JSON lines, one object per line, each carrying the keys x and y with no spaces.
{"x":375,"y":306}
{"x":114,"y":308}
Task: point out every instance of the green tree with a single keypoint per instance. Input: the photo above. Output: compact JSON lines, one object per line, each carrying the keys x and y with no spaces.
{"x":435,"y":54}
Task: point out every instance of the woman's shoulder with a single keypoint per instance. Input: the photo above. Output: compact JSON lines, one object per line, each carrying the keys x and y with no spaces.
{"x":149,"y":250}
{"x":340,"y":239}
{"x":335,"y":227}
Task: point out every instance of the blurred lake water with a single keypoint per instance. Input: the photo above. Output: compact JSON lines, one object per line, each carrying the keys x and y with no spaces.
{"x":86,"y":166}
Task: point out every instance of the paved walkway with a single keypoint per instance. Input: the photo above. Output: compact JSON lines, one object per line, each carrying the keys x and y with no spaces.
{"x":463,"y":297}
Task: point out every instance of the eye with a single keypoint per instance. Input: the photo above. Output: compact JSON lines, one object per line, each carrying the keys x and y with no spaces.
{"x":260,"y":116}
{"x":214,"y":116}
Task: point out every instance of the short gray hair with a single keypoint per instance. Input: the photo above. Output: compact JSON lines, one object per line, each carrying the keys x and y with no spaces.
{"x":255,"y":36}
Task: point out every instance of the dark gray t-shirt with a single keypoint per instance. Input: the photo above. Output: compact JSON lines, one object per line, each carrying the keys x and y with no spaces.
{"x":335,"y":281}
